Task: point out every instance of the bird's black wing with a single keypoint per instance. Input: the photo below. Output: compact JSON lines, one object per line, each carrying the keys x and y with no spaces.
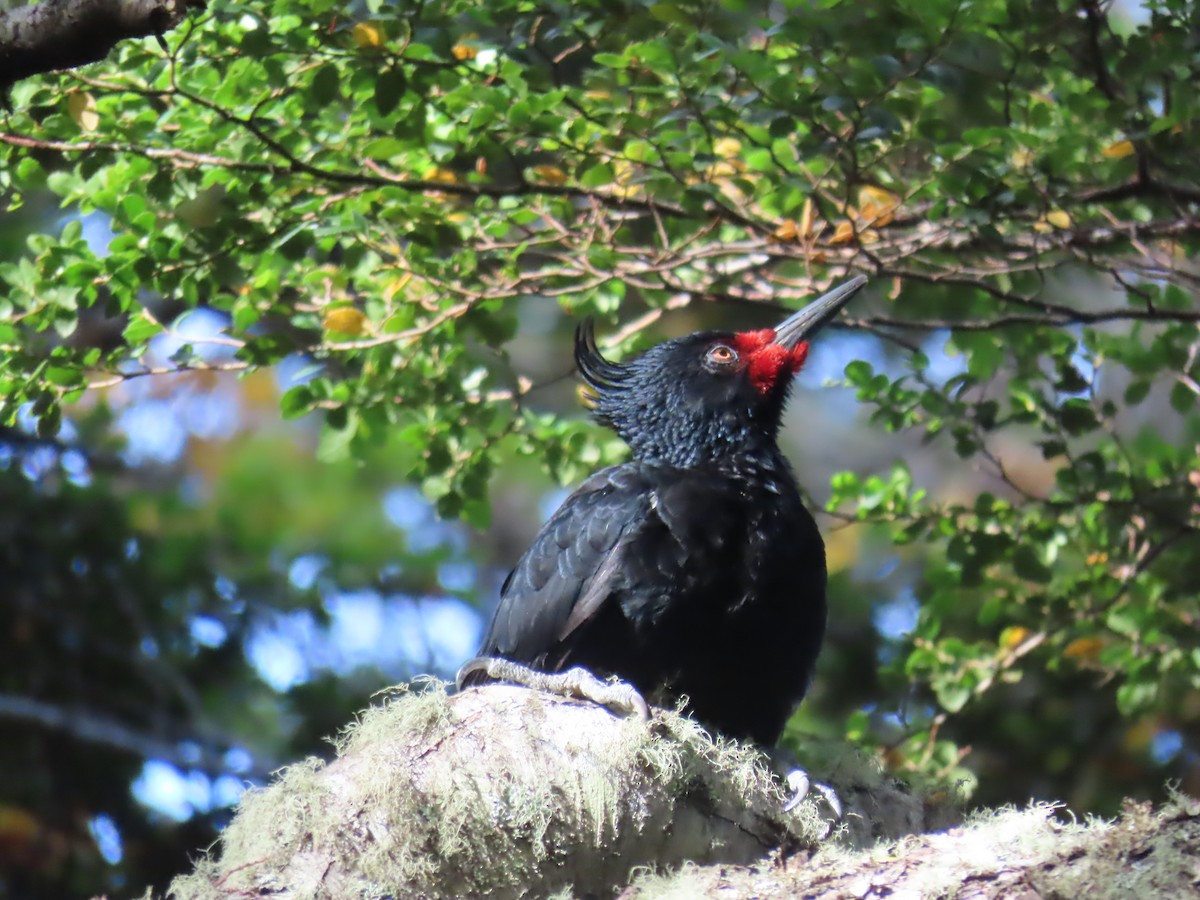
{"x":614,"y":553}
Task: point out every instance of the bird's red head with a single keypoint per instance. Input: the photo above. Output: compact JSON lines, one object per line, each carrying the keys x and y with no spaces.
{"x":767,"y":361}
{"x":709,"y":395}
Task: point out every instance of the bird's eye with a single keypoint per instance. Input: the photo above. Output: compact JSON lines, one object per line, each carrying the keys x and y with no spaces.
{"x":721,"y":355}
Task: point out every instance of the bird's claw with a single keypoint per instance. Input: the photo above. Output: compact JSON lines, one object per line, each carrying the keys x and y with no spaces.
{"x":575,"y":682}
{"x":801,"y":785}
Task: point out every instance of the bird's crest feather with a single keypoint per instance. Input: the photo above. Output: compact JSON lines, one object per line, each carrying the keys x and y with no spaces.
{"x":600,"y":374}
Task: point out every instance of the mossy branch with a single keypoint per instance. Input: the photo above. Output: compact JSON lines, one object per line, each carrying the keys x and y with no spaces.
{"x":504,"y":792}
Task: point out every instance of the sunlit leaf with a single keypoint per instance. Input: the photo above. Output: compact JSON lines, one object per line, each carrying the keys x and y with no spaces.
{"x":1119,"y":150}
{"x":367,"y":35}
{"x":345,"y":320}
{"x":82,"y":107}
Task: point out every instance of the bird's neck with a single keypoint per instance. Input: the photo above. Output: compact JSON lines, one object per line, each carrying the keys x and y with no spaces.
{"x":730,"y":441}
{"x":767,"y":468}
{"x":762,"y":462}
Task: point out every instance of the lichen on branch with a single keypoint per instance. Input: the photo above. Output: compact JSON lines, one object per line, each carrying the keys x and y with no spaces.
{"x":501,"y":791}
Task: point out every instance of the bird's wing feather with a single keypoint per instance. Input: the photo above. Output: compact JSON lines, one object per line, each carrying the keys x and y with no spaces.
{"x":540,"y":603}
{"x":582,"y":559}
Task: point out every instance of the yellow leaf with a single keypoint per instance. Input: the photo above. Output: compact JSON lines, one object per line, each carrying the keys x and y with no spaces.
{"x":345,"y":320}
{"x":550,"y":174}
{"x":785,"y":231}
{"x":727,"y":147}
{"x":445,"y":176}
{"x":1013,"y":637}
{"x":1119,"y":150}
{"x":724,"y":169}
{"x":1087,"y":648}
{"x":82,"y":107}
{"x":1023,"y":158}
{"x":874,"y":194}
{"x":1059,"y":218}
{"x":806,"y":219}
{"x":367,"y":35}
{"x":396,"y":286}
{"x":462,"y":52}
{"x":876,"y":206}
{"x":843,"y":233}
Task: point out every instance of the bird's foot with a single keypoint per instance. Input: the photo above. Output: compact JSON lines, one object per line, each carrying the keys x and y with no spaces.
{"x":575,"y":682}
{"x":801,"y":786}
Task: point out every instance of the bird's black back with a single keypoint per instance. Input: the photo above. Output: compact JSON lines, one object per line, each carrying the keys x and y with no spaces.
{"x":706,"y":582}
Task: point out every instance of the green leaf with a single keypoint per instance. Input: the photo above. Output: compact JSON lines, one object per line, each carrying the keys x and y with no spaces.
{"x":859,"y":373}
{"x":63,"y":377}
{"x":1027,"y":565}
{"x":30,"y":173}
{"x":390,"y":86}
{"x":1134,"y":697}
{"x":336,"y":436}
{"x":49,"y":422}
{"x":1078,"y":417}
{"x":1183,"y":398}
{"x":670,"y":13}
{"x":1136,"y":392}
{"x":597,"y":176}
{"x":952,"y":695}
{"x":140,"y":329}
{"x":384,"y":148}
{"x":611,"y":60}
{"x":296,"y":401}
{"x":325,"y":87}
{"x":1071,"y":380}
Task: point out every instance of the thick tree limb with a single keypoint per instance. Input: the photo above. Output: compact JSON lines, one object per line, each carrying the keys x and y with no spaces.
{"x":1003,"y":855}
{"x":501,"y":791}
{"x":62,"y":34}
{"x":504,"y":792}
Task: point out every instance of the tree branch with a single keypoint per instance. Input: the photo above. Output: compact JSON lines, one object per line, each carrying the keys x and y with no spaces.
{"x":505,"y":792}
{"x":1002,"y":854}
{"x":63,"y":34}
{"x":529,"y":793}
{"x":105,"y":732}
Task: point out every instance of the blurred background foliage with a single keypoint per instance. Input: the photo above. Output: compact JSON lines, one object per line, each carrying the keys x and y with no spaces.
{"x":285,"y":382}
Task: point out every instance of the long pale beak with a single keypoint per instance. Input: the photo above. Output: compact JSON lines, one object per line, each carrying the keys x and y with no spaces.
{"x":802,"y":325}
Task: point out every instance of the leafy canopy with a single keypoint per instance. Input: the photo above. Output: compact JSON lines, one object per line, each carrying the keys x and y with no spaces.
{"x":398,"y":193}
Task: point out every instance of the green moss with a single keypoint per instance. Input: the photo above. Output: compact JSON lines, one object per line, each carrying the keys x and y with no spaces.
{"x":420,"y":797}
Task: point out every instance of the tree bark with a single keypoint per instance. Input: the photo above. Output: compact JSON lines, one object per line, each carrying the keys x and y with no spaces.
{"x":1008,"y":854}
{"x":504,"y":792}
{"x":62,"y":34}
